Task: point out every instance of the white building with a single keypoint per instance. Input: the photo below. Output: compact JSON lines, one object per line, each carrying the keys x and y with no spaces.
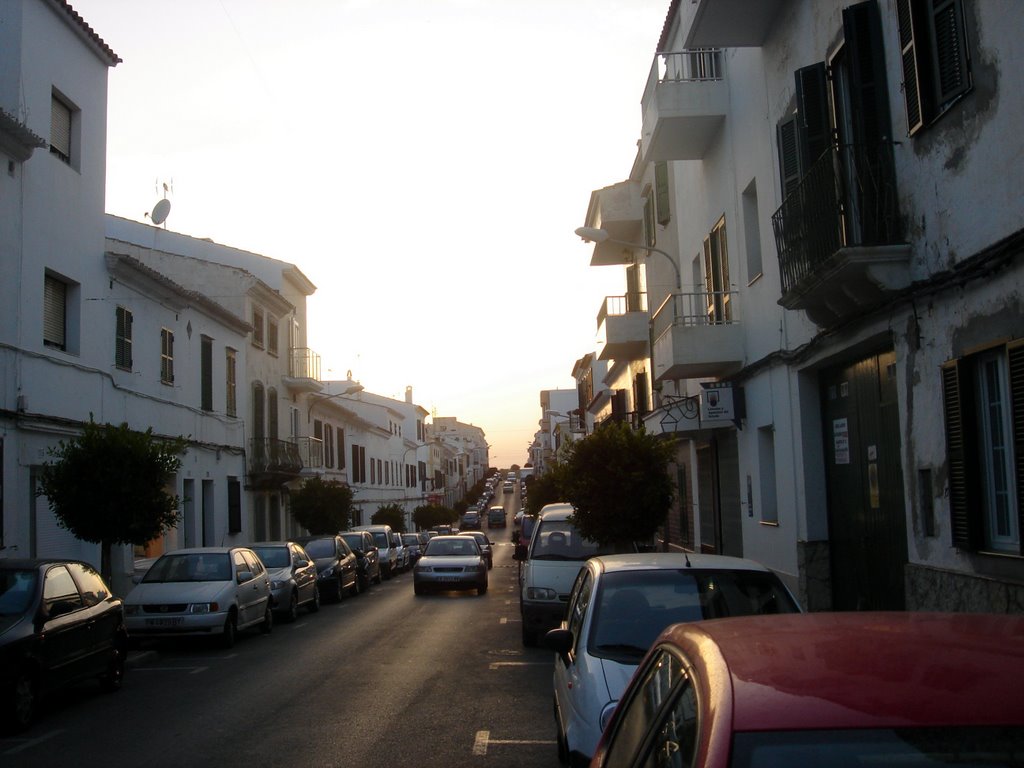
{"x":468,"y":456}
{"x":828,"y":233}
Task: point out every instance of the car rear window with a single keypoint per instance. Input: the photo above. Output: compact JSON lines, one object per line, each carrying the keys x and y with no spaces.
{"x":17,"y":588}
{"x":320,"y":547}
{"x":274,"y":557}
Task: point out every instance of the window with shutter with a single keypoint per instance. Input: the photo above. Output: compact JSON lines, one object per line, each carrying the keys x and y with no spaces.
{"x":60,"y":129}
{"x":650,"y":236}
{"x":935,"y":58}
{"x":272,"y":405}
{"x":166,"y":356}
{"x":234,"y":506}
{"x":341,"y":448}
{"x":272,"y":334}
{"x":661,"y":193}
{"x":230,"y":383}
{"x":813,"y":126}
{"x":55,"y":302}
{"x":789,"y":156}
{"x":206,"y":373}
{"x":259,"y":424}
{"x":123,"y":339}
{"x":257,"y":327}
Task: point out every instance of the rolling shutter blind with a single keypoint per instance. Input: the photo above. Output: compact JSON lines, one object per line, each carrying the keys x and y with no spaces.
{"x":908,"y":52}
{"x":60,"y":129}
{"x":54,"y":312}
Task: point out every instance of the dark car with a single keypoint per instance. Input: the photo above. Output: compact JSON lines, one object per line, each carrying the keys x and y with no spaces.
{"x":293,"y":577}
{"x":485,"y":545}
{"x":59,"y":624}
{"x":414,"y":545}
{"x":367,"y":555}
{"x":336,"y":565}
{"x":471,"y":521}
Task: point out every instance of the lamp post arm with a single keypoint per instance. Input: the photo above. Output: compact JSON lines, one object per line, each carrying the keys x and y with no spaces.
{"x":651,"y":249}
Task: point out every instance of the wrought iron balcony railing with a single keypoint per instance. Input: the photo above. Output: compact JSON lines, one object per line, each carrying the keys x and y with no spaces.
{"x":311,"y":452}
{"x":268,"y":455}
{"x":847,"y":198}
{"x":616,"y":306}
{"x":304,"y":364}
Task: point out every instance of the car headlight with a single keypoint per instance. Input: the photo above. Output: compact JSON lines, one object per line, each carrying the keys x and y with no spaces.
{"x":606,"y":714}
{"x":327,"y":572}
{"x":203,"y":608}
{"x":541,"y":593}
{"x":131,"y":610}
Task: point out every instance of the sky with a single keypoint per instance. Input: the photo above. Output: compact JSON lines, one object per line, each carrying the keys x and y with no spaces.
{"x":423,"y":162}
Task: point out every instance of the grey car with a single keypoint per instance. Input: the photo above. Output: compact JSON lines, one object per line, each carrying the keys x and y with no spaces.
{"x":485,"y":546}
{"x":292,"y":577}
{"x":451,"y":563}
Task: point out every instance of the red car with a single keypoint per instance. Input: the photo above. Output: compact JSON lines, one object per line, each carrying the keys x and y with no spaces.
{"x":850,"y":689}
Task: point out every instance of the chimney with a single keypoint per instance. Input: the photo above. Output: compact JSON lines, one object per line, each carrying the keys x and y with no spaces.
{"x":408,"y":395}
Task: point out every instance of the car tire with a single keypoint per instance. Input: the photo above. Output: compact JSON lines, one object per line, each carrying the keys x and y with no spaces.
{"x":481,"y":590}
{"x":24,"y":699}
{"x":338,"y":593}
{"x":268,"y":620}
{"x":113,"y":677}
{"x":314,"y":604}
{"x":228,"y":636}
{"x":293,"y":607}
{"x":418,"y":589}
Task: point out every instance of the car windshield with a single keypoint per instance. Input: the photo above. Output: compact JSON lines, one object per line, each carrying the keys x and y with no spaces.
{"x":559,"y":540}
{"x":453,"y":548}
{"x":274,"y":557}
{"x":320,"y":547}
{"x":909,"y":747}
{"x":382,"y":540}
{"x":411,"y":539}
{"x":16,"y":590}
{"x":354,"y":542}
{"x":633,"y":607}
{"x":190,"y":567}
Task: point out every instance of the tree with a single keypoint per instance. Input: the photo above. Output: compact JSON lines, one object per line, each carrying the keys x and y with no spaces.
{"x":390,"y":514}
{"x":428,"y":515}
{"x":617,"y":479}
{"x":109,"y":486}
{"x":548,"y":488}
{"x":322,"y":506}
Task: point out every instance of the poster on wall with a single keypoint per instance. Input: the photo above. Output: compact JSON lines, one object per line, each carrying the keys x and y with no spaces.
{"x":841,"y":440}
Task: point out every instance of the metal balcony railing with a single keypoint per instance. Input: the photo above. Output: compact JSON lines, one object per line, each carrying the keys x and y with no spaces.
{"x":304,"y":363}
{"x":847,"y":198}
{"x":690,"y":65}
{"x":268,"y":455}
{"x":311,"y":452}
{"x":616,"y":306}
{"x":696,"y":309}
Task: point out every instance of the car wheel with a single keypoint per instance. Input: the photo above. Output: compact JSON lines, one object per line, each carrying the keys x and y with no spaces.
{"x":227,"y":637}
{"x":418,"y":589}
{"x":268,"y":620}
{"x":21,"y":708}
{"x":314,"y":604}
{"x":338,"y":594}
{"x":482,"y":590}
{"x":111,"y":680}
{"x":293,"y":607}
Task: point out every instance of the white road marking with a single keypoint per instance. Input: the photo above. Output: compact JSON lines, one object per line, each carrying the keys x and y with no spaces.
{"x":483,"y":740}
{"x":190,"y":670}
{"x":33,"y":742}
{"x":497,"y":664}
{"x":480,"y":742}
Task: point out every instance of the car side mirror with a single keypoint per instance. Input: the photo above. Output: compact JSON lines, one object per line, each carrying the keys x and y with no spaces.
{"x":559,"y":640}
{"x":244,"y":576}
{"x":302,"y":564}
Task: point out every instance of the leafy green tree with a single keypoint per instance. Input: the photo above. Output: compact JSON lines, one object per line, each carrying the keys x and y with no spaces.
{"x":109,"y":484}
{"x":428,"y":515}
{"x":548,"y":488}
{"x":322,"y":506}
{"x":617,"y":479}
{"x":390,"y":514}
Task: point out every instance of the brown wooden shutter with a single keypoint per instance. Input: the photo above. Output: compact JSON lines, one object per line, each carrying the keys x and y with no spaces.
{"x":908,"y":52}
{"x":1015,"y":358}
{"x":234,"y":506}
{"x":206,"y":373}
{"x":55,"y":297}
{"x":965,"y":530}
{"x":661,"y":192}
{"x":814,"y":133}
{"x":60,"y":129}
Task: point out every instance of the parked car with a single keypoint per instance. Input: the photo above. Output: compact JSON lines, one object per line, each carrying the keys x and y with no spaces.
{"x":367,"y":557}
{"x":850,"y":689}
{"x":336,"y":565}
{"x":59,"y":624}
{"x":382,"y":538}
{"x":496,"y":517}
{"x":471,"y":521}
{"x":292,"y":577}
{"x":414,"y":546}
{"x":486,"y":548}
{"x":201,"y":592}
{"x":619,"y":605}
{"x":555,"y":554}
{"x":401,"y":553}
{"x":451,"y":563}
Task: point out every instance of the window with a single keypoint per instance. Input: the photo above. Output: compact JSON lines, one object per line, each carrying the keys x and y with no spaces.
{"x":661,"y":193}
{"x":373,"y":472}
{"x":257,"y":327}
{"x":60,"y":129}
{"x":272,"y":335}
{"x":272,"y":423}
{"x":716,"y":275}
{"x":936,"y":60}
{"x":230,"y":382}
{"x":206,"y":373}
{"x":766,"y":471}
{"x":234,"y":505}
{"x":650,"y":235}
{"x":60,"y":594}
{"x":55,"y":302}
{"x":123,"y":339}
{"x":328,"y":446}
{"x":751,"y":232}
{"x":259,"y":418}
{"x":341,"y":447}
{"x":166,"y":356}
{"x":983,"y":398}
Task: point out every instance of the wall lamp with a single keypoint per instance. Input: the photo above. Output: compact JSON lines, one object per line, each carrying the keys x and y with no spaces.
{"x":595,"y":235}
{"x":351,"y":390}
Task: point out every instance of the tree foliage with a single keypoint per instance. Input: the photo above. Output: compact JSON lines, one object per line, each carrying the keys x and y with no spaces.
{"x":549,"y":488}
{"x":322,"y":506}
{"x":109,"y":486}
{"x":390,"y":514}
{"x":617,"y":479}
{"x":427,"y":516}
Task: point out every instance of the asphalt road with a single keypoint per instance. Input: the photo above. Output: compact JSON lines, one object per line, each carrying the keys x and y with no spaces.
{"x":382,"y":679}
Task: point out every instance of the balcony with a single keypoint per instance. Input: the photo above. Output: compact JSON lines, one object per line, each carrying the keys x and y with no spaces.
{"x":684,"y":105}
{"x":619,"y":211}
{"x":304,"y":370}
{"x":727,"y":23}
{"x":839,"y":236}
{"x":272,"y":462}
{"x":696,"y":336}
{"x":623,"y":331}
{"x":311,"y":452}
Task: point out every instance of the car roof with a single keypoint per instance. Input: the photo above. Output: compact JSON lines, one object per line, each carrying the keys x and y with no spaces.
{"x":204,"y":550}
{"x":556,"y":511}
{"x":860,"y":670}
{"x":652,"y":561}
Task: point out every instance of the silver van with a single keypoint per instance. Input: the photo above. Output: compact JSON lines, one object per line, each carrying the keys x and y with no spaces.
{"x":388,"y":554}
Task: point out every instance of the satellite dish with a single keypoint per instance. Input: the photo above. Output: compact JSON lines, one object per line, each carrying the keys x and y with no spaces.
{"x":160,"y":211}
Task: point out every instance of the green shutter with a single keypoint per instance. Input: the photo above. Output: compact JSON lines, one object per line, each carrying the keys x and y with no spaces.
{"x":1015,"y":357}
{"x":661,"y":192}
{"x":908,"y":52}
{"x":949,"y":51}
{"x":814,"y":132}
{"x":789,"y":158}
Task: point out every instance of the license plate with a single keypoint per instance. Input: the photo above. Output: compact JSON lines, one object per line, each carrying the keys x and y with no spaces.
{"x":449,"y":578}
{"x":168,"y":622}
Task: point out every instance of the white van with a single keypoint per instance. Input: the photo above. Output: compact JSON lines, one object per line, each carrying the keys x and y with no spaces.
{"x":554,"y":555}
{"x":388,"y":554}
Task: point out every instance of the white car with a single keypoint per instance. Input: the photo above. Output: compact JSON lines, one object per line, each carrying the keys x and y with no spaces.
{"x":205,"y":592}
{"x":618,"y":606}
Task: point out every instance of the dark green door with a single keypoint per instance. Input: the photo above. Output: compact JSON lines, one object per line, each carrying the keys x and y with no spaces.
{"x":867,"y":523}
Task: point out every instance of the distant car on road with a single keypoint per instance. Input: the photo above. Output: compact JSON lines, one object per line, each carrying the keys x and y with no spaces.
{"x":826,"y":689}
{"x":59,"y":623}
{"x":471,"y":521}
{"x":451,"y":563}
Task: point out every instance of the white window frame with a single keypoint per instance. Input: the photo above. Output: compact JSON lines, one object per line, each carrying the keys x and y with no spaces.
{"x":995,"y":452}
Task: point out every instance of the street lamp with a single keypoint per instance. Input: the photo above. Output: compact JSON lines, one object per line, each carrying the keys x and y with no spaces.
{"x":351,"y":390}
{"x":595,"y":235}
